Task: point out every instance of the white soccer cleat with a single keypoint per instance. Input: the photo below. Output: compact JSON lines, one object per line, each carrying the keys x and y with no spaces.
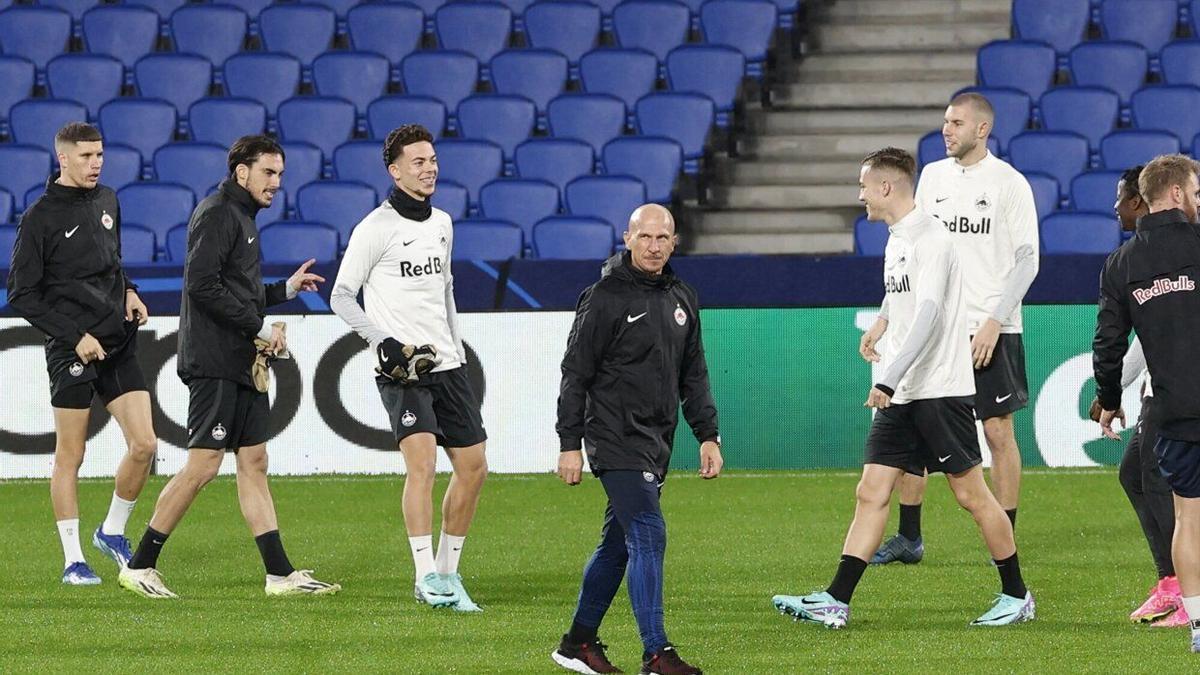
{"x":299,"y":582}
{"x":147,"y":583}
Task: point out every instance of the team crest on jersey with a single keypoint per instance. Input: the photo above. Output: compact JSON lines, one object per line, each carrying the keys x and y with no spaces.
{"x":982,"y":203}
{"x":648,"y":477}
{"x":106,"y":220}
{"x":680,"y":315}
{"x":408,"y":418}
{"x":218,"y":432}
{"x":76,"y":369}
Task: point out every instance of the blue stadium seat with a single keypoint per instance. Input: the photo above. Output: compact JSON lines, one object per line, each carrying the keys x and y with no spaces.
{"x":555,"y":160}
{"x":301,"y":30}
{"x":1192,"y":10}
{"x":657,"y":26}
{"x":176,"y":245}
{"x":655,"y":161}
{"x":1061,"y":25}
{"x":451,"y":198}
{"x":340,"y":7}
{"x":8,"y":241}
{"x":1013,"y":110}
{"x":35,"y":33}
{"x":198,"y":166}
{"x":573,"y":238}
{"x":710,"y":70}
{"x":1095,"y":190}
{"x":1046,"y":195}
{"x":1080,"y":232}
{"x":686,"y":118}
{"x":390,"y":112}
{"x":323,"y":121}
{"x":76,"y":8}
{"x":745,"y":25}
{"x":1150,"y":23}
{"x":609,"y":198}
{"x":627,"y":74}
{"x":486,"y":239}
{"x":17,"y":76}
{"x":1181,"y":62}
{"x":1059,"y":154}
{"x":478,"y":28}
{"x":362,"y":162}
{"x":179,"y":79}
{"x":224,"y":120}
{"x":1158,"y":108}
{"x":6,"y":207}
{"x":339,"y":204}
{"x":569,"y":28}
{"x":593,"y":118}
{"x":537,"y":74}
{"x":92,"y":80}
{"x":302,"y":164}
{"x":428,"y":8}
{"x":607,"y":7}
{"x":269,"y":79}
{"x":506,"y":121}
{"x":276,"y":212}
{"x":358,"y":77}
{"x":1123,"y":149}
{"x":394,"y":31}
{"x":293,"y":242}
{"x":520,"y":201}
{"x":1118,"y":66}
{"x":446,"y":76}
{"x":126,"y":33}
{"x":122,"y":166}
{"x":1090,"y":112}
{"x":141,"y":123}
{"x":156,"y":206}
{"x":34,"y":193}
{"x":870,"y":237}
{"x":471,"y":164}
{"x":1021,"y":65}
{"x":518,"y":7}
{"x":215,"y":32}
{"x":35,"y":121}
{"x":163,"y":8}
{"x":137,"y":244}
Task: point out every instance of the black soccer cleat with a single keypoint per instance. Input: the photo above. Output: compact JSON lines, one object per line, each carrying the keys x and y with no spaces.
{"x":666,"y":661}
{"x":587,"y":658}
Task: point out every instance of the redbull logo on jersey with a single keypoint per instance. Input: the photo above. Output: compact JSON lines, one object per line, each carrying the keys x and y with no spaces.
{"x":963,"y":225}
{"x":411,"y":269}
{"x":1162,"y":287}
{"x":897,"y":285}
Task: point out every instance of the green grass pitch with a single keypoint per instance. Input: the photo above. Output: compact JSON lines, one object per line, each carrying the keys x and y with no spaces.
{"x":732,"y":544}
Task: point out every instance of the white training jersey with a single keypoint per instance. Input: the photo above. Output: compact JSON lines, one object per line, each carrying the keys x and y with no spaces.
{"x":988,"y":210}
{"x":403,"y":269}
{"x":920,"y":265}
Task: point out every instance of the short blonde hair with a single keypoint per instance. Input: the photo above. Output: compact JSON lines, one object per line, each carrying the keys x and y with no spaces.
{"x":1163,"y":172}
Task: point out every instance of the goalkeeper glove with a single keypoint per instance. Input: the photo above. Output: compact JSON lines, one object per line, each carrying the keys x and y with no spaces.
{"x":404,"y":363}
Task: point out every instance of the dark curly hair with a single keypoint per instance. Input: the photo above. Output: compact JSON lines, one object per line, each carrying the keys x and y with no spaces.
{"x":402,"y":136}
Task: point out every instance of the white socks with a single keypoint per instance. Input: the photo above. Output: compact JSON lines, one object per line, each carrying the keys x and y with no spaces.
{"x":118,"y":515}
{"x":1192,"y":605}
{"x":422,"y":553}
{"x":448,"y":553}
{"x":68,"y":532}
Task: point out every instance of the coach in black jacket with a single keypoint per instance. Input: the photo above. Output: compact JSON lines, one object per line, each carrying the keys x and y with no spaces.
{"x":634,"y":353}
{"x":1149,"y":285}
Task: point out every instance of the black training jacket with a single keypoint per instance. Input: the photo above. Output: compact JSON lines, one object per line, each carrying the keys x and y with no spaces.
{"x":634,"y":353}
{"x":66,"y":276}
{"x":223,"y":294}
{"x":1150,"y":285}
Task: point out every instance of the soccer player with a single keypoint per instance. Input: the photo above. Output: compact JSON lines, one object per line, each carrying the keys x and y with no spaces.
{"x":987,"y":206}
{"x":1149,"y":285}
{"x":220,"y":316}
{"x":66,"y":279}
{"x":399,"y":255}
{"x":923,"y":419}
{"x":633,"y":356}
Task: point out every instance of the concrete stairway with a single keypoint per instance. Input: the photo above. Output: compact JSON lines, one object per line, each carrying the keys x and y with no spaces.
{"x":877,"y":73}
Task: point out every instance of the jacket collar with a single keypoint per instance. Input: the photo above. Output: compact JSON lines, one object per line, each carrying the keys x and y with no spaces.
{"x":59,"y":192}
{"x":240,"y":196}
{"x":409,"y":207}
{"x":908,"y":226}
{"x":1158,"y":219}
{"x":620,"y":266}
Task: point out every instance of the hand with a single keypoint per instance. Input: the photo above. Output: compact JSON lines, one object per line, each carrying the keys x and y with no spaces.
{"x":877,"y":399}
{"x":135,"y":309}
{"x":570,"y":466}
{"x":89,"y":349}
{"x":1095,"y":409}
{"x":984,"y":343}
{"x":866,"y":346}
{"x":303,"y":280}
{"x":278,"y":343}
{"x":710,"y":460}
{"x":1106,"y":420}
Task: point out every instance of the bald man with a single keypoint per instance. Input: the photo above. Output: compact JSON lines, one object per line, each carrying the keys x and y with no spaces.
{"x":634,"y":353}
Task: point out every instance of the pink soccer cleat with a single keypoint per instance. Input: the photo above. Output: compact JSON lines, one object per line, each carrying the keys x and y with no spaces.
{"x":1164,"y":601}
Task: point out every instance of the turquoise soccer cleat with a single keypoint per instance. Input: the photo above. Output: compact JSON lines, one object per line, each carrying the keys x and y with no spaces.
{"x":819,"y":607}
{"x":464,"y":602}
{"x":1008,"y":610}
{"x":432,"y":590}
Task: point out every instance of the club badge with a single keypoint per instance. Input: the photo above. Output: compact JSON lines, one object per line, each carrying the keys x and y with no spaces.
{"x":106,"y":220}
{"x":680,"y":315}
{"x":218,"y":432}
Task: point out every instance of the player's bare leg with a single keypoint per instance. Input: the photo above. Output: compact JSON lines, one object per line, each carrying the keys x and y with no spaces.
{"x":70,"y":435}
{"x":906,"y":546}
{"x":1006,"y":462}
{"x":420,"y":469}
{"x":458,"y":510}
{"x":132,"y":413}
{"x":1185,"y":554}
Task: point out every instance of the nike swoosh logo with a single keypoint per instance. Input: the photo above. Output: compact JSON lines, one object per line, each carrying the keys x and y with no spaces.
{"x":631,"y":319}
{"x":1002,"y":399}
{"x":250,"y":240}
{"x":805,"y":601}
{"x":421,"y":549}
{"x":382,"y":356}
{"x":939,"y":201}
{"x":409,"y":242}
{"x":942,"y":459}
{"x":72,"y":231}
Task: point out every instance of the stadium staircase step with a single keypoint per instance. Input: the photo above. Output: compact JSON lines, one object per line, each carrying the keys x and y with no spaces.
{"x":875,"y":73}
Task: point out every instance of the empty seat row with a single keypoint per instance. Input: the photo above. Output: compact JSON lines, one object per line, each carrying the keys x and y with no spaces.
{"x":1063,"y":24}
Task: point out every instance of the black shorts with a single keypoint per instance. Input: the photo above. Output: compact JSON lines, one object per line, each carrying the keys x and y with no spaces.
{"x":443,"y":404}
{"x":224,"y":415}
{"x":936,"y":434}
{"x":72,"y":384}
{"x":1180,"y":465}
{"x":1002,"y":388}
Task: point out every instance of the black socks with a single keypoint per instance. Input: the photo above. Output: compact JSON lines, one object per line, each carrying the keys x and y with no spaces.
{"x":147,"y":551}
{"x":910,"y":521}
{"x":1010,"y":577}
{"x":581,"y":634}
{"x":849,"y":573}
{"x":274,"y":559}
{"x":1012,"y":517}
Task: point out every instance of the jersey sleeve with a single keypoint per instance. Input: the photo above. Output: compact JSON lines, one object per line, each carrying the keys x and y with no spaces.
{"x":25,"y":284}
{"x":362,"y":254}
{"x":210,"y":243}
{"x":930,"y":293}
{"x":451,"y":307}
{"x":1020,"y":217}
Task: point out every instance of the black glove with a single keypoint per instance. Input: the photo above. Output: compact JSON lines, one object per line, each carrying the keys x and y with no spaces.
{"x":404,"y":363}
